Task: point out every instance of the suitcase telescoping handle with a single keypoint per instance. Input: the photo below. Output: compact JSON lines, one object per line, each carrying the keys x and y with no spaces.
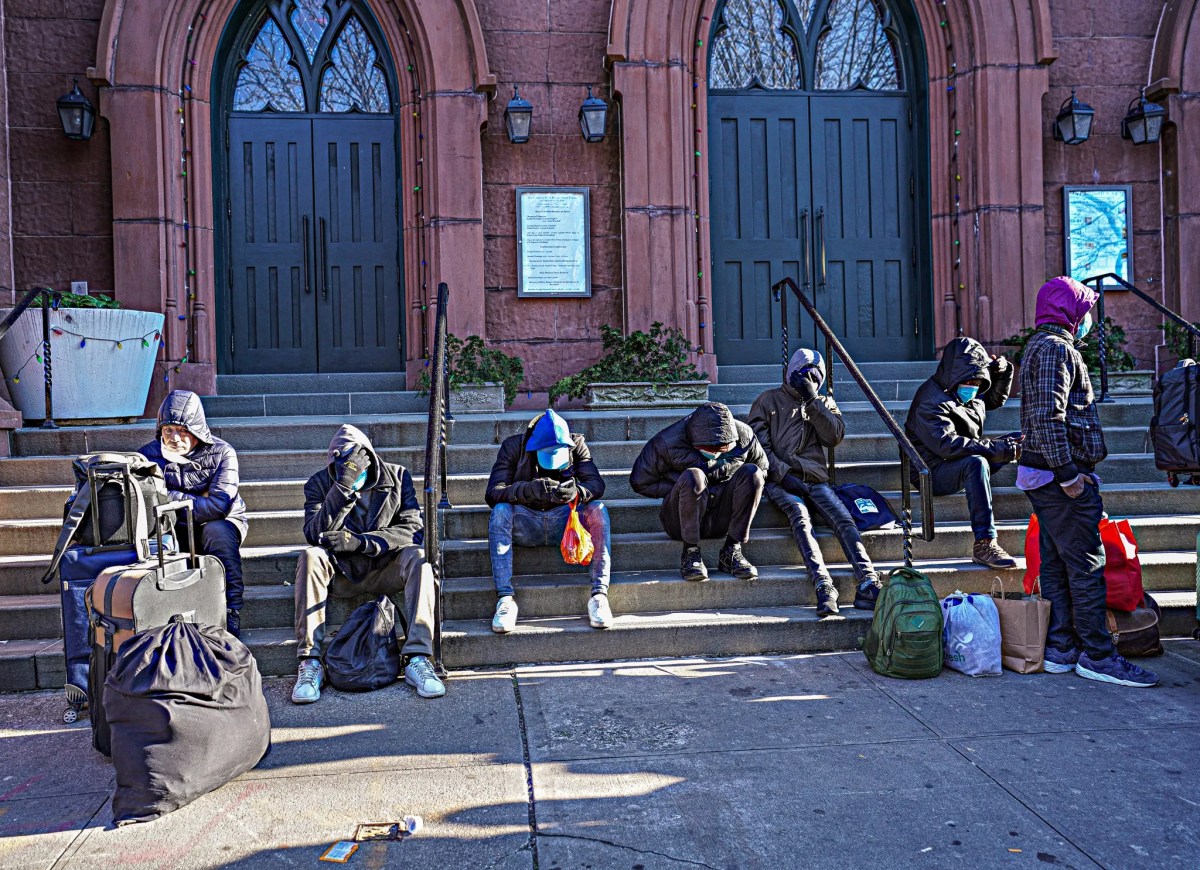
{"x":184,"y":505}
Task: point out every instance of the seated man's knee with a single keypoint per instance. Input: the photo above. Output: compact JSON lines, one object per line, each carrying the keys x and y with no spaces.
{"x":694,"y":479}
{"x":501,"y":514}
{"x":978,"y":465}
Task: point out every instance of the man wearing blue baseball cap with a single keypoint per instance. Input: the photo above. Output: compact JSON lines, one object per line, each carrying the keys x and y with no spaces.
{"x":537,"y":475}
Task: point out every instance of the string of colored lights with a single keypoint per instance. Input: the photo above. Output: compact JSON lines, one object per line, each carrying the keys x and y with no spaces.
{"x":958,"y":284}
{"x":58,"y":331}
{"x":423,"y":297}
{"x":699,"y":75}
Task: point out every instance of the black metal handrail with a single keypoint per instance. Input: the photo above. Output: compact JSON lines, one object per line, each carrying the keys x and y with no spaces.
{"x":437,"y":499}
{"x":910,"y":459}
{"x":1193,"y":332}
{"x":53,"y":297}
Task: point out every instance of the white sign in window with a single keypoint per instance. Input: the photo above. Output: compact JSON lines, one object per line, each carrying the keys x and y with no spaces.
{"x":553,"y":242}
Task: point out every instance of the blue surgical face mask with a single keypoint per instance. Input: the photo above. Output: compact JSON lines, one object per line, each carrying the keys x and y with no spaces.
{"x":709,"y":455}
{"x":966,"y":393}
{"x":1084,"y":327}
{"x":359,"y":481}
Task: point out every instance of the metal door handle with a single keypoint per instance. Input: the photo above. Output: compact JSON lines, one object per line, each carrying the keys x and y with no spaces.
{"x":805,"y":254}
{"x":304,"y":248}
{"x":323,"y":268}
{"x":819,"y":258}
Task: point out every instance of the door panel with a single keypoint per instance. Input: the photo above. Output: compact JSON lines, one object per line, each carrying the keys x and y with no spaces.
{"x":760,"y":183}
{"x":360,"y":304}
{"x":861,"y":166}
{"x":272,"y":311}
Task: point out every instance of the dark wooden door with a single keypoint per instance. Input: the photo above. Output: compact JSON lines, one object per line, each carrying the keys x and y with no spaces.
{"x":314,"y":277}
{"x":836,"y":169}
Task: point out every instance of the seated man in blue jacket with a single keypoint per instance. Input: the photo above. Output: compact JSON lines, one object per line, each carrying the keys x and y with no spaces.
{"x":201,"y":467}
{"x":945,"y":424}
{"x":537,"y":474}
{"x":363,"y":525}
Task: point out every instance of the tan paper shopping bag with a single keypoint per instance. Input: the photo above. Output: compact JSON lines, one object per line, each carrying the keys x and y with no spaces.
{"x":1023,"y":626}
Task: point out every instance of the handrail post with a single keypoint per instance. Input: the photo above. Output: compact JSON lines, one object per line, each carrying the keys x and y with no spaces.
{"x":781,"y":298}
{"x":906,"y":509}
{"x":48,"y":298}
{"x":832,"y":466}
{"x":1100,"y":338}
{"x":436,"y":475}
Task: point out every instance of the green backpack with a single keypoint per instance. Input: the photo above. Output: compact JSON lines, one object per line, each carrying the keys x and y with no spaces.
{"x":905,"y":638}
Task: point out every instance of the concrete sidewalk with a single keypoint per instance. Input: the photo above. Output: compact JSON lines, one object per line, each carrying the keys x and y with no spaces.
{"x":763,"y":762}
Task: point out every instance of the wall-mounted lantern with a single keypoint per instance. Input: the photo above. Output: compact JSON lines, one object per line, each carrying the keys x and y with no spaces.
{"x":1074,"y":122}
{"x":593,"y":118}
{"x":518,"y":117}
{"x":77,"y":114}
{"x":1143,"y":122}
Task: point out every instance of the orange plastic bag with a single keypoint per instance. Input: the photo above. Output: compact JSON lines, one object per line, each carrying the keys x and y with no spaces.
{"x":577,"y":547}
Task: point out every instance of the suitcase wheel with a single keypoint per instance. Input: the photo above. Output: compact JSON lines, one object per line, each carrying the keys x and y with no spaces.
{"x":70,"y":716}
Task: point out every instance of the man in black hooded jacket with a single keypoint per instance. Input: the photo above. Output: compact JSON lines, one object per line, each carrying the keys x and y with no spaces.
{"x":709,"y":470}
{"x":363,"y":525}
{"x":945,"y":424}
{"x":201,"y":467}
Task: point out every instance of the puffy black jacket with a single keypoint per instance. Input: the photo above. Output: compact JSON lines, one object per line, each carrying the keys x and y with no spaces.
{"x":672,"y":451}
{"x":209,"y":477}
{"x":385,"y":511}
{"x":943,"y":428}
{"x":515,"y":467}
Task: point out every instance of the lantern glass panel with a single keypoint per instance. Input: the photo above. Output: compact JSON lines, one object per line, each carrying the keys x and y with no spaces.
{"x":518,"y":123}
{"x":593,"y":122}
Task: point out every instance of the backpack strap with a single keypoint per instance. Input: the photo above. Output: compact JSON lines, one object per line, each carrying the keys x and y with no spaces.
{"x":79,"y":507}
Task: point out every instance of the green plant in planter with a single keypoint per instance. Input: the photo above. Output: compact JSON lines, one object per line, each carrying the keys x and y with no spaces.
{"x":473,"y":362}
{"x":1176,"y":338}
{"x":78,"y":300}
{"x":659,"y":356}
{"x":1119,"y":359}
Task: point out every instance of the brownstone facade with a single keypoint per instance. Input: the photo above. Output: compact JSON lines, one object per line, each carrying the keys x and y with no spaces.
{"x":109,"y":211}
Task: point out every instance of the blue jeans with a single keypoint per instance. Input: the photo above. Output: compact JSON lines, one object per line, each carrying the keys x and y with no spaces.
{"x":974,"y":474}
{"x":1072,"y":571}
{"x":825,"y":502}
{"x":525,"y":527}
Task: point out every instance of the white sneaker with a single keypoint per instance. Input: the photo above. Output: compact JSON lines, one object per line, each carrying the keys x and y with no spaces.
{"x":308,"y":682}
{"x":505,"y":619}
{"x":599,"y":613}
{"x":419,"y":674}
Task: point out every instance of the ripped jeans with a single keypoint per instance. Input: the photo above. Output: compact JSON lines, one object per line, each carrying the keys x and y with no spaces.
{"x":516,"y":524}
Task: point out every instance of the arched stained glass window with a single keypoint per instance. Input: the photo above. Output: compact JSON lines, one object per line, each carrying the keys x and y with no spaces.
{"x":753,"y":48}
{"x":354,"y":80}
{"x":855,"y":51}
{"x":311,"y":56}
{"x":269,"y":80}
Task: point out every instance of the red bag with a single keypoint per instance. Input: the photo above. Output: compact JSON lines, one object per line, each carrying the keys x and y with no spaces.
{"x":576,"y":547}
{"x":1122,"y":568}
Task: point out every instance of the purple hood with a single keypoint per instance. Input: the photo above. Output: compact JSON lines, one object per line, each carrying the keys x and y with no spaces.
{"x":1063,"y":301}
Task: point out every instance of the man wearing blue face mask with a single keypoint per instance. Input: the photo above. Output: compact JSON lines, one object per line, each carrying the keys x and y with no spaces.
{"x":945,"y":424}
{"x":537,"y":475}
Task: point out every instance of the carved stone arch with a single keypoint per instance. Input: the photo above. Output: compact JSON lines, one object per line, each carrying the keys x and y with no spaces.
{"x":658,"y":58}
{"x":1175,"y":83}
{"x":151,"y":76}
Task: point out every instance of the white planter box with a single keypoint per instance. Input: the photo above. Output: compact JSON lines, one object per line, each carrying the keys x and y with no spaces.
{"x":682,"y":394}
{"x":476,"y":398}
{"x":98,"y":381}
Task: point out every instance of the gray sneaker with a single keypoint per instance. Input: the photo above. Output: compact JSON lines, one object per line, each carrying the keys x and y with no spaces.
{"x":308,"y":682}
{"x":420,"y":675}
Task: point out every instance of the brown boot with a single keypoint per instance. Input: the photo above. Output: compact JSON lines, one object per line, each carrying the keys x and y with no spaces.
{"x":990,"y":554}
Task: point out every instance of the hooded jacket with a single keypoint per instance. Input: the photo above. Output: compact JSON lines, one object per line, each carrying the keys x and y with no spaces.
{"x":673,"y":450}
{"x":516,"y":466}
{"x":385,"y":511}
{"x":942,"y":427}
{"x":794,"y":433}
{"x":209,"y":476}
{"x":1058,"y":413}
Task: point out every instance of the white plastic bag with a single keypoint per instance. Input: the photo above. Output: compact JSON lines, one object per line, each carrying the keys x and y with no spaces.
{"x":971,"y":636}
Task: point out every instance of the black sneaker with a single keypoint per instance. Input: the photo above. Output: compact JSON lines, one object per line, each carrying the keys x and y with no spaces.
{"x":827,"y":600}
{"x":691,"y":566}
{"x":867,"y":594}
{"x":732,"y":560}
{"x":233,"y":622}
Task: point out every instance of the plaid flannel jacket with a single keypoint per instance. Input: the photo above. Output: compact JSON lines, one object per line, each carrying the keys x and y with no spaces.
{"x":1058,"y":413}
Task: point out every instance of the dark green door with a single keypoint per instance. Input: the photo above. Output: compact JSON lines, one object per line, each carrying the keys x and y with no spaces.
{"x":811,"y":144}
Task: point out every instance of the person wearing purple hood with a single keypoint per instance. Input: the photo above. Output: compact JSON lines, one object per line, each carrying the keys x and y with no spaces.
{"x":1063,"y":444}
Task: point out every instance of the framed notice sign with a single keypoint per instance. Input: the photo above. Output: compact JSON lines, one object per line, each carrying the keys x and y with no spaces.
{"x":553,"y":234}
{"x":1098,"y":229}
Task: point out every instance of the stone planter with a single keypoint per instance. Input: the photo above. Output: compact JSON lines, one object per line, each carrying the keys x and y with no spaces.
{"x":477,"y":399}
{"x":1136,"y":383}
{"x":97,"y":381}
{"x":682,"y":394}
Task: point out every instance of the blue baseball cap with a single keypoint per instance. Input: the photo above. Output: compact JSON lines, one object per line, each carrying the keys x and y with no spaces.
{"x":551,"y":440}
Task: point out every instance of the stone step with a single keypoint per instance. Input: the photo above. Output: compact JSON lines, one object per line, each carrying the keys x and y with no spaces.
{"x":303,"y":404}
{"x":270,"y":605}
{"x":887,"y":389}
{"x":38,"y":663}
{"x":772,"y":374}
{"x":313,"y":432}
{"x":362,"y":382}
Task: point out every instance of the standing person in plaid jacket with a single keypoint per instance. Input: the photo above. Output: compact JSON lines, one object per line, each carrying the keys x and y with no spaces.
{"x":1063,"y":444}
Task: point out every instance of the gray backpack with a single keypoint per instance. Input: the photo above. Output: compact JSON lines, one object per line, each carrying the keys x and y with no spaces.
{"x":1175,"y":426}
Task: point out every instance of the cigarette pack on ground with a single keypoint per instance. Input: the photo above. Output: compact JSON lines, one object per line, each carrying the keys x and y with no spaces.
{"x":339,"y":852}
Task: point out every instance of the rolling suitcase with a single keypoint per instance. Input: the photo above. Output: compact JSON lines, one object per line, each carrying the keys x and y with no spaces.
{"x":125,"y":600}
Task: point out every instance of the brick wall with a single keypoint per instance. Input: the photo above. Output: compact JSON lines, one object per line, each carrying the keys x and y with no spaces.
{"x":61,"y":190}
{"x":1104,"y":49}
{"x":552,"y":51}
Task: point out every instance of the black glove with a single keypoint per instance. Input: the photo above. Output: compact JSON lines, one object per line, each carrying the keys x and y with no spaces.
{"x":794,"y":484}
{"x":566,"y":491}
{"x":805,"y":384}
{"x":529,"y":491}
{"x":1000,"y":364}
{"x":351,"y":465}
{"x":342,"y":541}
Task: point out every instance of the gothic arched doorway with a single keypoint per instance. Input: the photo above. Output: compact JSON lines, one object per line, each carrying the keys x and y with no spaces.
{"x":817,"y":153}
{"x":307,"y":199}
